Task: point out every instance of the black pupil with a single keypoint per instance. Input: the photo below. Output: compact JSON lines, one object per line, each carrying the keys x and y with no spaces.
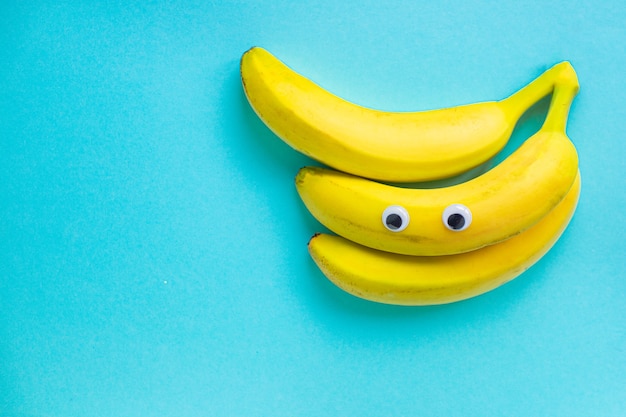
{"x":456,"y":221}
{"x":394,"y":221}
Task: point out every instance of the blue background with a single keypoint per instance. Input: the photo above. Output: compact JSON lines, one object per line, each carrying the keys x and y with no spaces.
{"x":153,"y":253}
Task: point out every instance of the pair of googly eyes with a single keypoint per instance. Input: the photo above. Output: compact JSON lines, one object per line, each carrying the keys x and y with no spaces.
{"x":456,"y":217}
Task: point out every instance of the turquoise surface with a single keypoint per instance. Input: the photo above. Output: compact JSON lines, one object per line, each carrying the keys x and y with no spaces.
{"x":153,"y":253}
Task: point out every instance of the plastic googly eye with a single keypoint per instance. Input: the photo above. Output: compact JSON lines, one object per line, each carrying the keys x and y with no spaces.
{"x":457,"y":217}
{"x":395,"y":218}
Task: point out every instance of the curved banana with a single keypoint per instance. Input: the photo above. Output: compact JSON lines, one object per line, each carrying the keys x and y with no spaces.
{"x":423,"y":280}
{"x":488,"y":209}
{"x":387,"y":146}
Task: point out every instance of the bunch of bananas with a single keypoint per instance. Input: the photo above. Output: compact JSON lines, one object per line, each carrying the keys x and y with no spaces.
{"x":400,"y":244}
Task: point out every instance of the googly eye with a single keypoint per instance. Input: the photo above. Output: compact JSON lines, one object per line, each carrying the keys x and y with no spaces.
{"x":395,"y":218}
{"x":457,"y":217}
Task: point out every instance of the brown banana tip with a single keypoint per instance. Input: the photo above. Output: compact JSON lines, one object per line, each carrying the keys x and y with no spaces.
{"x":299,"y":175}
{"x":312,"y":237}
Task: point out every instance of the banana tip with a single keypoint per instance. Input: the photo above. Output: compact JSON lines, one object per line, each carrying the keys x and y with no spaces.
{"x":312,"y":238}
{"x":244,"y":57}
{"x":302,"y":172}
{"x":252,"y":48}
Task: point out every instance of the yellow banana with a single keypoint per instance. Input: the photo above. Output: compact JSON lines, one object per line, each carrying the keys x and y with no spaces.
{"x":490,"y":208}
{"x":422,"y":280}
{"x":386,"y":146}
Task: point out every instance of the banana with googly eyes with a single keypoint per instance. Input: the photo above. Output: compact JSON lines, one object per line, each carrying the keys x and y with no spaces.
{"x":493,"y":207}
{"x":391,"y":278}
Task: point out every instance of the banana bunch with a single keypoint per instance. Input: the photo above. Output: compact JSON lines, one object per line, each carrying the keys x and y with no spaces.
{"x":400,"y":244}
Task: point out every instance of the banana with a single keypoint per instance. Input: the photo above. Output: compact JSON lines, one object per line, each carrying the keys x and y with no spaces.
{"x":424,"y":280}
{"x":490,"y":208}
{"x":386,"y":146}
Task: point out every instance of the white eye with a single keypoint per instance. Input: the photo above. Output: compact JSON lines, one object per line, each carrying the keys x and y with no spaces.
{"x":395,"y":218}
{"x":457,"y":217}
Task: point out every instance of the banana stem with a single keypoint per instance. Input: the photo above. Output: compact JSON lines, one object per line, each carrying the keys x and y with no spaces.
{"x":564,"y":93}
{"x":537,"y":89}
